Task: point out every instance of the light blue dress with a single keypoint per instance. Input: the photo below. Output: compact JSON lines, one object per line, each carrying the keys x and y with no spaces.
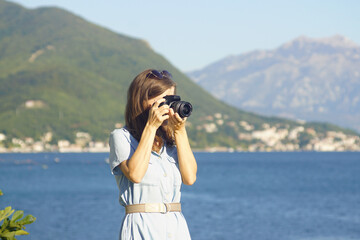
{"x":161,"y":184}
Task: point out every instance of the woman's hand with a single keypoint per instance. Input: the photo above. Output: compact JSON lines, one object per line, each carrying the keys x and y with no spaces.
{"x":135,"y":167}
{"x":187,"y":162}
{"x":157,"y":115}
{"x":175,"y":121}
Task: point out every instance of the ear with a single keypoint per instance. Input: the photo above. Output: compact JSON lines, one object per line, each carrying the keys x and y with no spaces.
{"x":145,"y":105}
{"x":148,"y":104}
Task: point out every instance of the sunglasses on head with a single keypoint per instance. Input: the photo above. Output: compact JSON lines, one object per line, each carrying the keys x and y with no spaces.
{"x":159,"y":75}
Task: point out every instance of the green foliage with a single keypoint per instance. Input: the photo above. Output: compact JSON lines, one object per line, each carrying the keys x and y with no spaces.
{"x":304,"y":139}
{"x":14,"y":226}
{"x":322,"y":127}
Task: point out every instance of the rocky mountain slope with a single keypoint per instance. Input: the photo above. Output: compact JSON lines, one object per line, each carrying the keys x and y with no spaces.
{"x":308,"y":79}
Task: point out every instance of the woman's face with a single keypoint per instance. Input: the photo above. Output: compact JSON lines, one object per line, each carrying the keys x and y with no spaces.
{"x":170,"y":91}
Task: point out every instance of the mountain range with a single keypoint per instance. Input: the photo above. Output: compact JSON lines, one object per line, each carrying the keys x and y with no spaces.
{"x":307,"y":79}
{"x":64,"y":78}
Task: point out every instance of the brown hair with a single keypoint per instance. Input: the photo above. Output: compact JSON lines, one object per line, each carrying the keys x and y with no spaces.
{"x":144,"y":87}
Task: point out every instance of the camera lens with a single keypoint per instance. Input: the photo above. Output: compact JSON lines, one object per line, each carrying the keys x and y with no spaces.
{"x":186,"y":109}
{"x":183,"y":108}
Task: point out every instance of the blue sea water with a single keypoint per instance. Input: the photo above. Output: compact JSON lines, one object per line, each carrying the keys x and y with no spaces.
{"x":252,"y":196}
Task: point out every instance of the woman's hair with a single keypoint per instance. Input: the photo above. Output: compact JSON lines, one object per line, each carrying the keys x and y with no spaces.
{"x":144,"y":87}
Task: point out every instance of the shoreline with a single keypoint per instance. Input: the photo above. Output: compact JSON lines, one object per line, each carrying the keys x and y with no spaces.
{"x":195,"y":151}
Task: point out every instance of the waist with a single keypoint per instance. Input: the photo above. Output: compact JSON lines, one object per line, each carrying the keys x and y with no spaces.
{"x":153,"y":208}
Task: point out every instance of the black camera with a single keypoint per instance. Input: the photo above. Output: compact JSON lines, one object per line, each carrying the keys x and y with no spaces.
{"x":183,"y":108}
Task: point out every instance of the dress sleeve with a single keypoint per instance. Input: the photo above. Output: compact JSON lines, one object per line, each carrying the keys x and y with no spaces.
{"x":120,"y":150}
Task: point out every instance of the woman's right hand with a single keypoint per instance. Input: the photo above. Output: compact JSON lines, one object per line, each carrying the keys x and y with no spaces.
{"x":135,"y":168}
{"x":157,"y":115}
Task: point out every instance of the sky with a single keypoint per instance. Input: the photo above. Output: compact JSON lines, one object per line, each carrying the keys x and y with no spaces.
{"x":194,"y":34}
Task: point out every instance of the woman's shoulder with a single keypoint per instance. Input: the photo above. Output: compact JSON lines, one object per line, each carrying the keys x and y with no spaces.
{"x":121,"y":135}
{"x":120,"y":131}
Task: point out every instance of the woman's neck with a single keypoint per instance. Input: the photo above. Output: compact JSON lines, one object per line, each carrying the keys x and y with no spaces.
{"x":158,"y":143}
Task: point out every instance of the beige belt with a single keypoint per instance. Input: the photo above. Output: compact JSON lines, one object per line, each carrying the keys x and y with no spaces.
{"x":153,"y":208}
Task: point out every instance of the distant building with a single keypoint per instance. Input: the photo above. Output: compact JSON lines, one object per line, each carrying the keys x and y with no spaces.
{"x":2,"y":137}
{"x":34,"y":104}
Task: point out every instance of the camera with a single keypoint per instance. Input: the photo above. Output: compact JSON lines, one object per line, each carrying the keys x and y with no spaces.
{"x":183,"y":108}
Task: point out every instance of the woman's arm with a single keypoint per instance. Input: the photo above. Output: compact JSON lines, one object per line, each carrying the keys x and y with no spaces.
{"x":187,"y":162}
{"x":135,"y":168}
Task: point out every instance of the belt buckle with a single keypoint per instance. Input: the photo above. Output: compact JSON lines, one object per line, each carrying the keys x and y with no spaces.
{"x":167,"y":208}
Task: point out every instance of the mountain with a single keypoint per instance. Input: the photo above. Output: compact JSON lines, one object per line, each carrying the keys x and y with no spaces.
{"x":63,"y":81}
{"x":309,"y":79}
{"x":62,"y":74}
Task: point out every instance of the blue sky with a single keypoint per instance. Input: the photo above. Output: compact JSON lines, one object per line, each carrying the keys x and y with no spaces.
{"x":193,"y":34}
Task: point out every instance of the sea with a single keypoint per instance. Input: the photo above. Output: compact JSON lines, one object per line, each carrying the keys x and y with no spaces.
{"x":239,"y":195}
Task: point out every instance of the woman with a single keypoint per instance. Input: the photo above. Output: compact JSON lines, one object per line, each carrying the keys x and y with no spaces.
{"x":150,"y":157}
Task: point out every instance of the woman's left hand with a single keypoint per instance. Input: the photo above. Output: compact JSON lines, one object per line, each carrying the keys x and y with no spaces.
{"x":175,"y":121}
